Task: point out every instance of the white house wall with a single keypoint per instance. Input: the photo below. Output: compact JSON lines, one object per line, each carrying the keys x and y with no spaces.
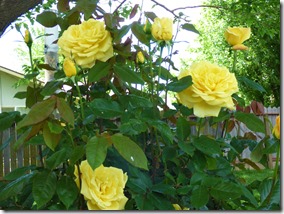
{"x":8,"y":90}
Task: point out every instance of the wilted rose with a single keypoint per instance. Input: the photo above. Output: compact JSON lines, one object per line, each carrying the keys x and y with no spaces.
{"x":211,"y":89}
{"x":162,"y":29}
{"x":276,"y":128}
{"x":86,"y":43}
{"x":69,"y":67}
{"x":103,"y":187}
{"x":235,"y":36}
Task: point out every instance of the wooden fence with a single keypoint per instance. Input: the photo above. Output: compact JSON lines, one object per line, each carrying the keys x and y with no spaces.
{"x":27,"y":155}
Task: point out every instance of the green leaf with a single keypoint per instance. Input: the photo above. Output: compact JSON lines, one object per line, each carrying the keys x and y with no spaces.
{"x":14,"y":187}
{"x":163,"y":188}
{"x":44,"y":187}
{"x":180,"y":84}
{"x":51,"y":87}
{"x":226,"y":191}
{"x":33,"y":96}
{"x":39,"y":112}
{"x":65,"y":111}
{"x":133,"y":127}
{"x":121,"y":33}
{"x":188,"y":148}
{"x":96,"y":151}
{"x":47,"y":19}
{"x":251,"y":121}
{"x":56,"y":159}
{"x":7,"y":119}
{"x":21,"y":95}
{"x":55,"y":127}
{"x":130,"y":151}
{"x":137,"y":30}
{"x":200,"y":196}
{"x":251,"y":84}
{"x":22,"y":139}
{"x":135,"y":101}
{"x":249,"y":195}
{"x":77,"y":153}
{"x":160,"y":202}
{"x":183,"y":128}
{"x":207,"y":145}
{"x":164,"y":129}
{"x":257,"y":153}
{"x":67,"y":191}
{"x":106,"y":108}
{"x":276,"y":194}
{"x":16,"y":173}
{"x":189,"y":27}
{"x":127,"y":75}
{"x":98,"y":71}
{"x":264,"y":188}
{"x":50,"y":139}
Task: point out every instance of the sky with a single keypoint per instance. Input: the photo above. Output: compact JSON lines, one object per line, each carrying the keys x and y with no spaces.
{"x":12,"y":39}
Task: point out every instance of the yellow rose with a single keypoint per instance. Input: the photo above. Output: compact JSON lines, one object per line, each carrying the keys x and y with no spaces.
{"x":211,"y":89}
{"x":276,"y":128}
{"x":162,"y":29}
{"x":235,"y":36}
{"x":140,"y":57}
{"x":103,"y":187}
{"x":28,"y":39}
{"x":177,"y":207}
{"x":69,"y":67}
{"x":86,"y":43}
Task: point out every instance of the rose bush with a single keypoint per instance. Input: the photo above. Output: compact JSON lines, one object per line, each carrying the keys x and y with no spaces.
{"x":211,"y":89}
{"x":103,"y":187}
{"x":120,"y":127}
{"x":87,"y":42}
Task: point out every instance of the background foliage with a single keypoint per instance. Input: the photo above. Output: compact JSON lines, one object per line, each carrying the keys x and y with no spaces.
{"x":261,"y":63}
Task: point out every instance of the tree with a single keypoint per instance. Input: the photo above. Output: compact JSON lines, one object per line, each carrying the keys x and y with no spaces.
{"x":261,"y":63}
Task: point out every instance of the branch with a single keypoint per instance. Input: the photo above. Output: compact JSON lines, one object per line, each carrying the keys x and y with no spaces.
{"x":197,"y":6}
{"x":182,"y":8}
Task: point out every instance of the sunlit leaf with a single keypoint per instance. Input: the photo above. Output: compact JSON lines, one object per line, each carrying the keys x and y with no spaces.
{"x":130,"y":151}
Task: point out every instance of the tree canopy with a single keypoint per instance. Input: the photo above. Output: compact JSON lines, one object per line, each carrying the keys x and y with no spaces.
{"x":261,"y":63}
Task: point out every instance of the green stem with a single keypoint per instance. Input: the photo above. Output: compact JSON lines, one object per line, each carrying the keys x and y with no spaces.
{"x":160,"y":70}
{"x":80,"y":98}
{"x":234,"y":62}
{"x":276,"y":163}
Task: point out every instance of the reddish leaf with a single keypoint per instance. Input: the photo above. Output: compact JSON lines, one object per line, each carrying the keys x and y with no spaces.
{"x":39,"y":112}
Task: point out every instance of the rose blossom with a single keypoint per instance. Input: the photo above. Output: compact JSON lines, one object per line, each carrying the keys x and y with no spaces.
{"x":87,"y":42}
{"x":211,"y":89}
{"x":103,"y":187}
